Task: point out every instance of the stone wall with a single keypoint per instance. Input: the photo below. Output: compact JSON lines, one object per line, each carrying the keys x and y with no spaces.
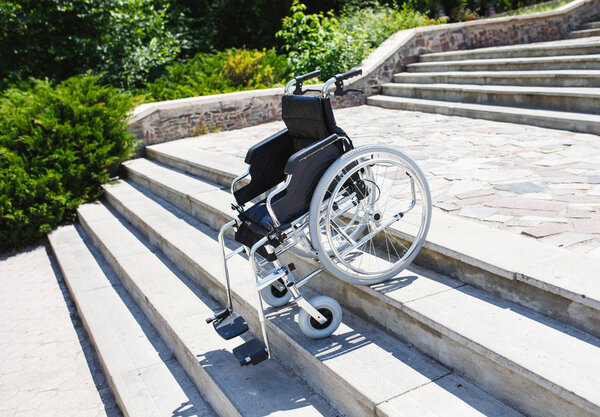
{"x":170,"y":120}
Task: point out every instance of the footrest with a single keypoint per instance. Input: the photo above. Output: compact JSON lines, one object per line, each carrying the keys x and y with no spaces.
{"x":252,"y":352}
{"x":230,"y":326}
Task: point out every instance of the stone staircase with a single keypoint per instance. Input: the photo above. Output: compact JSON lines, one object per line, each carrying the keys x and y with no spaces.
{"x":549,"y":84}
{"x":474,"y":329}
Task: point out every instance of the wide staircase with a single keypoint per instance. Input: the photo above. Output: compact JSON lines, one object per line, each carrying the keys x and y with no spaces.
{"x":468,"y":332}
{"x":549,"y":84}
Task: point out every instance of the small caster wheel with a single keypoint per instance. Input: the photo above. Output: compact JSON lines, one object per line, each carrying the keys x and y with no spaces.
{"x":274,"y":297}
{"x":329,"y":308}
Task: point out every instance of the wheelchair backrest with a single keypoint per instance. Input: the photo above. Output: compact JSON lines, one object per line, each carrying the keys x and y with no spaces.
{"x":308,"y":118}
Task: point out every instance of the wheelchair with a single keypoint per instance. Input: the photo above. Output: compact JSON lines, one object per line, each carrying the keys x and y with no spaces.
{"x":362,"y":213}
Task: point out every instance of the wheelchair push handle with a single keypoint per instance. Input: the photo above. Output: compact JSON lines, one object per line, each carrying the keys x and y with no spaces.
{"x":299,"y":80}
{"x":349,"y":74}
{"x":338,"y":80}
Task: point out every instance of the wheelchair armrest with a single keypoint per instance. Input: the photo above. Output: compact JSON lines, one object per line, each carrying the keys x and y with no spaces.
{"x":309,"y":152}
{"x":266,"y":143}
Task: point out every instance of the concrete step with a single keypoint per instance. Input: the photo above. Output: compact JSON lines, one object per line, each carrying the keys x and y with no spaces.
{"x":568,"y":62}
{"x":177,"y":309}
{"x":573,"y":99}
{"x":576,"y":122}
{"x":550,"y":280}
{"x":591,"y":25}
{"x":360,"y":369}
{"x":145,"y":378}
{"x":555,"y":48}
{"x":585,"y":33}
{"x":552,"y":78}
{"x":458,"y":325}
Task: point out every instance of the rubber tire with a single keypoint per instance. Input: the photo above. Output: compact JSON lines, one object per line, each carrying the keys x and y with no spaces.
{"x":324,"y":185}
{"x":320,"y":302}
{"x":273,"y":300}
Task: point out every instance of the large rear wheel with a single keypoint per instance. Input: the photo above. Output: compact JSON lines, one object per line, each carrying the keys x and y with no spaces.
{"x":370,"y":214}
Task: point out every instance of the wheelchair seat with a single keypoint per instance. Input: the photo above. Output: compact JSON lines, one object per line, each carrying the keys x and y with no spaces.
{"x":304,"y":150}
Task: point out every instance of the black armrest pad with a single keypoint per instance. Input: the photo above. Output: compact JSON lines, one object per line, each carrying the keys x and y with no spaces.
{"x":308,"y":151}
{"x":263,"y":143}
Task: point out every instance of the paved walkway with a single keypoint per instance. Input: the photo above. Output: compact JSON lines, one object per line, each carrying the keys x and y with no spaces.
{"x":47,"y":364}
{"x":539,"y":182}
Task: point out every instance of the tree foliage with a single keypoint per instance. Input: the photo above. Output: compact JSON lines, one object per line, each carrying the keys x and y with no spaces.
{"x":125,"y":40}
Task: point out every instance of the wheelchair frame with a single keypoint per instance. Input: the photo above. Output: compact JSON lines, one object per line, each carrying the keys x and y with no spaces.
{"x":294,"y":235}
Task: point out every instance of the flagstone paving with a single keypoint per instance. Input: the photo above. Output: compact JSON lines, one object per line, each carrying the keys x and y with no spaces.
{"x":541,"y":183}
{"x":47,"y":363}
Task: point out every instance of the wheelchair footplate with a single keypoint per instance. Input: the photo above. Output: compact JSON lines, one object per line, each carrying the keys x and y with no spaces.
{"x":229,"y":324}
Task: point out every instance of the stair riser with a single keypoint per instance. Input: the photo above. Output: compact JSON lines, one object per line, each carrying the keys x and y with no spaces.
{"x":591,"y":25}
{"x":282,"y":345}
{"x":537,"y":101}
{"x":526,"y":66}
{"x":552,"y":81}
{"x":440,"y":260}
{"x":552,"y":123}
{"x":492,"y":375}
{"x":217,"y":399}
{"x":554,"y":51}
{"x":586,"y":34}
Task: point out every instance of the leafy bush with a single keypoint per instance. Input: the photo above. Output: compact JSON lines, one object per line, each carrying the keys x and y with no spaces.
{"x":56,"y":147}
{"x":336,"y":45}
{"x":220,"y":72}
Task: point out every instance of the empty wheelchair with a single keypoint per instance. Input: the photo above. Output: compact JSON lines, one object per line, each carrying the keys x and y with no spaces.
{"x":362,"y":213}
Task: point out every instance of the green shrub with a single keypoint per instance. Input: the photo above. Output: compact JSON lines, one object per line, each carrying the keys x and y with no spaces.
{"x":56,"y":146}
{"x":320,"y":41}
{"x":220,"y":72}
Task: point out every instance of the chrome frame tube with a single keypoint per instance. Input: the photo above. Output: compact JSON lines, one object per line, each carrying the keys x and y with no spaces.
{"x":261,"y":311}
{"x":326,"y":86}
{"x":224,"y":259}
{"x":238,"y":179}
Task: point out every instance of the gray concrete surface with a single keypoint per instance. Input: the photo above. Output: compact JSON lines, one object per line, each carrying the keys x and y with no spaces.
{"x":47,"y":363}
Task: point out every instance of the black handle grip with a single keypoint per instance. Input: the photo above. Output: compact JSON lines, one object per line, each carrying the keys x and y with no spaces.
{"x":349,"y":74}
{"x":301,"y":78}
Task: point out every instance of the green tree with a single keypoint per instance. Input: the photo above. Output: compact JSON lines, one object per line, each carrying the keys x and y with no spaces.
{"x":125,"y":40}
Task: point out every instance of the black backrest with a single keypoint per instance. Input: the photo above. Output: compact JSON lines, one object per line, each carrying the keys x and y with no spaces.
{"x":308,"y":117}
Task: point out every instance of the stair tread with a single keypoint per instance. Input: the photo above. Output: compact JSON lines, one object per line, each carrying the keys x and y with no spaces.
{"x":253,"y":391}
{"x":583,"y":92}
{"x":146,"y":379}
{"x":500,"y":61}
{"x":550,"y":114}
{"x":564,"y":43}
{"x":371,"y":364}
{"x":538,"y":330}
{"x":516,"y":74}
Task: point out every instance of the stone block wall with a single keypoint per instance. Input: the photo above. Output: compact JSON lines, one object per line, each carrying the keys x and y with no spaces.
{"x":164,"y":121}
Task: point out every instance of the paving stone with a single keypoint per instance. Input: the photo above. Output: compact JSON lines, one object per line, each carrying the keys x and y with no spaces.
{"x":546,"y":229}
{"x":594,"y":179}
{"x":498,"y":218}
{"x":476,"y":193}
{"x":538,"y":196}
{"x":575,"y":212}
{"x":477,"y":212}
{"x":595,"y":252}
{"x":446,"y":206}
{"x":523,"y":223}
{"x":520,"y":188}
{"x":567,"y":239}
{"x":527,"y":204}
{"x":586,"y":225}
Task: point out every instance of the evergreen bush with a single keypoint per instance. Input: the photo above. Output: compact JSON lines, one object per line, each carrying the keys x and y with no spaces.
{"x":56,"y":146}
